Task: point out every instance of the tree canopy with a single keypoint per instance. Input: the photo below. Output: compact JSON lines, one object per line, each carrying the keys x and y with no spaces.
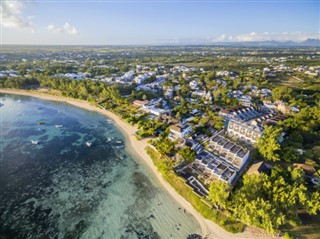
{"x":268,"y":144}
{"x":273,"y":201}
{"x":219,"y":192}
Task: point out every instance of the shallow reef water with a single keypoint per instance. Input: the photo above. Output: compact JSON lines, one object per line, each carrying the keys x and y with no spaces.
{"x":62,"y":188}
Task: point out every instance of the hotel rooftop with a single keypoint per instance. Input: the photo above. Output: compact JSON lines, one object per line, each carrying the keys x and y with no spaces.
{"x":228,"y":150}
{"x":216,"y":166}
{"x":223,"y":159}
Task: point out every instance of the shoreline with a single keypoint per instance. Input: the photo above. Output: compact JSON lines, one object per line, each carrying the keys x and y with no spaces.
{"x":137,"y":148}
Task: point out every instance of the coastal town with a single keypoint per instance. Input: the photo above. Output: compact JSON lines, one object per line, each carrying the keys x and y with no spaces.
{"x":217,"y":117}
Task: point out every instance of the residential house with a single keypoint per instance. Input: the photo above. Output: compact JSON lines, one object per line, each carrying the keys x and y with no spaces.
{"x":283,"y":108}
{"x":156,"y":111}
{"x":169,"y":91}
{"x":140,"y":79}
{"x":180,"y":130}
{"x":246,"y":100}
{"x":308,"y":169}
{"x":140,"y":103}
{"x":258,"y":168}
{"x":193,"y":85}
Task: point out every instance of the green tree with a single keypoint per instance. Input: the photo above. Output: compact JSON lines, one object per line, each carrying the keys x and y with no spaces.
{"x":187,"y":154}
{"x":268,"y":144}
{"x":203,"y":121}
{"x":144,"y":97}
{"x":253,"y":206}
{"x":313,"y":203}
{"x":282,"y":93}
{"x":219,"y":192}
{"x":164,"y":146}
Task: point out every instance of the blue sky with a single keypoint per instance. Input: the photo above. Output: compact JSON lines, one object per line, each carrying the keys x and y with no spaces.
{"x":157,"y":22}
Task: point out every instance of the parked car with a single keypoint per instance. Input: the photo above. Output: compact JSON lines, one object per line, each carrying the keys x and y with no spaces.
{"x":316,"y":181}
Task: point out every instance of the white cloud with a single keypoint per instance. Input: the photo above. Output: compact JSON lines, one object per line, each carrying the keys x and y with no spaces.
{"x":221,"y":38}
{"x":12,"y":15}
{"x":65,"y":29}
{"x":285,"y":36}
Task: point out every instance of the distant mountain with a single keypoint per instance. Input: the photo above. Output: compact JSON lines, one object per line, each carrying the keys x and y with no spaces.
{"x":311,"y":42}
{"x":306,"y":43}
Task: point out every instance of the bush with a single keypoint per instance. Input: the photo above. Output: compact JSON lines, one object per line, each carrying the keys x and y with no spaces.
{"x":288,"y":236}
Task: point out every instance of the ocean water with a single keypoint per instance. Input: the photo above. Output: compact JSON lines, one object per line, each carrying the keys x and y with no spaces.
{"x":61,"y":188}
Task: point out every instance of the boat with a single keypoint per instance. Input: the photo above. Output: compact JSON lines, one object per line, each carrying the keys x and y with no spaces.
{"x":39,"y":108}
{"x":119,"y":144}
{"x":41,"y":123}
{"x":34,"y":142}
{"x":19,"y":101}
{"x":108,"y":139}
{"x":110,"y":121}
{"x":122,"y":156}
{"x":89,"y":144}
{"x":59,"y":125}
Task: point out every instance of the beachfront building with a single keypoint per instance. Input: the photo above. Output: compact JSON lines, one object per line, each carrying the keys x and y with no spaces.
{"x":140,"y":103}
{"x":223,"y":159}
{"x":239,"y":112}
{"x":179,"y":130}
{"x":157,"y":111}
{"x":152,"y":107}
{"x":214,"y":167}
{"x":268,"y":119}
{"x":229,"y":151}
{"x":244,"y":131}
{"x":250,"y":131}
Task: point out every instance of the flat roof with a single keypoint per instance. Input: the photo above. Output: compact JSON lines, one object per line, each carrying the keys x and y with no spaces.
{"x":214,"y":163}
{"x":227,"y":173}
{"x":229,"y":145}
{"x":206,"y":161}
{"x":222,"y":166}
{"x":237,"y":162}
{"x":216,"y":138}
{"x":241,"y":153}
{"x":231,"y":109}
{"x":235,"y":149}
{"x":222,"y":141}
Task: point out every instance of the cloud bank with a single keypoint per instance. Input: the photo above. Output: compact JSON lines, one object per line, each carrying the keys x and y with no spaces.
{"x":65,"y":29}
{"x":266,"y":36}
{"x":12,"y":15}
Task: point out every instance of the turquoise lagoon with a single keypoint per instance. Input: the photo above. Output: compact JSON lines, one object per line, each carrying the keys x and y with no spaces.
{"x":61,"y":188}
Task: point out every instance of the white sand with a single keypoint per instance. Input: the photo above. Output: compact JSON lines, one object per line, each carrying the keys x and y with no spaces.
{"x":208,"y":228}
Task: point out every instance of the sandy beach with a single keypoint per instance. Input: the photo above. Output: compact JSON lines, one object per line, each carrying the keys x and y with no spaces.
{"x":208,"y":228}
